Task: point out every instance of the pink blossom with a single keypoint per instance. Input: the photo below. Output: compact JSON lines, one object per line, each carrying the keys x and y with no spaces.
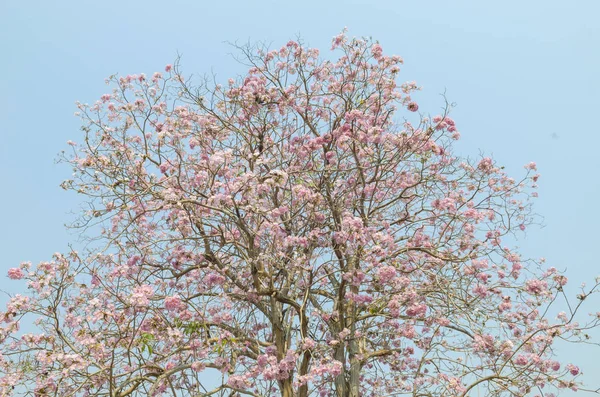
{"x":238,"y":382}
{"x":308,"y":344}
{"x":560,"y":280}
{"x":412,"y":106}
{"x":198,"y":366}
{"x":480,"y":290}
{"x":15,"y":273}
{"x":168,"y":68}
{"x":484,"y":277}
{"x":386,"y":273}
{"x":486,"y":165}
{"x":416,"y":310}
{"x":213,"y":279}
{"x":521,"y":360}
{"x":484,"y":343}
{"x":573,"y":369}
{"x":376,"y":51}
{"x":173,"y":303}
{"x":536,"y":287}
{"x":338,"y":40}
{"x":141,"y":295}
{"x":562,"y":316}
{"x":505,"y":305}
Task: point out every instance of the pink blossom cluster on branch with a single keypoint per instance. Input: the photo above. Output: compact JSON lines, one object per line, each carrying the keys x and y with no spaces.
{"x":300,"y":231}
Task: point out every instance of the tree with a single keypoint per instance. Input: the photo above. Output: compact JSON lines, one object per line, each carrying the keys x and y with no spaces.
{"x":301,"y":231}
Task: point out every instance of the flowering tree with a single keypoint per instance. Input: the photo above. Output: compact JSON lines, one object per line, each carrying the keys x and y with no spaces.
{"x":302,"y":231}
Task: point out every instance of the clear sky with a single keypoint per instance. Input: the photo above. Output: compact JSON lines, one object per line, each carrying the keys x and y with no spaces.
{"x":524,"y":76}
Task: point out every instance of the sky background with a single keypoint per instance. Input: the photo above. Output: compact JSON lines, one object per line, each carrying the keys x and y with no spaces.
{"x":523,"y":74}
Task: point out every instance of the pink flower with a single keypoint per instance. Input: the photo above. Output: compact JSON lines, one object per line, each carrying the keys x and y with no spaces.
{"x":338,"y":40}
{"x":562,"y":316}
{"x":416,"y":310}
{"x":531,"y":166}
{"x":213,"y":279}
{"x":486,"y":165}
{"x":413,"y":107}
{"x":522,"y":226}
{"x":198,"y":366}
{"x":376,"y":51}
{"x":237,"y":382}
{"x":308,"y":344}
{"x":483,"y":277}
{"x":141,"y":295}
{"x":15,"y":273}
{"x":386,"y":273}
{"x":573,"y":369}
{"x":480,"y":290}
{"x":521,"y":360}
{"x":168,"y":68}
{"x":560,"y":280}
{"x":536,"y":287}
{"x":173,"y":303}
{"x":409,"y":332}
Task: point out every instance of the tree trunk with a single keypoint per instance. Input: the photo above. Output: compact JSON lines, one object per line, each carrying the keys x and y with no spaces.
{"x":279,"y":337}
{"x":303,"y":390}
{"x":355,"y":367}
{"x":286,"y":388}
{"x":341,"y":386}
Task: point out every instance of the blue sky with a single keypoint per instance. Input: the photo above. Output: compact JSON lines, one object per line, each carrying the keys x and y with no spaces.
{"x":522,"y":73}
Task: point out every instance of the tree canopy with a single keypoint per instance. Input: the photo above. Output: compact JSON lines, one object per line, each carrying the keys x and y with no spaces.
{"x":302,"y":230}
